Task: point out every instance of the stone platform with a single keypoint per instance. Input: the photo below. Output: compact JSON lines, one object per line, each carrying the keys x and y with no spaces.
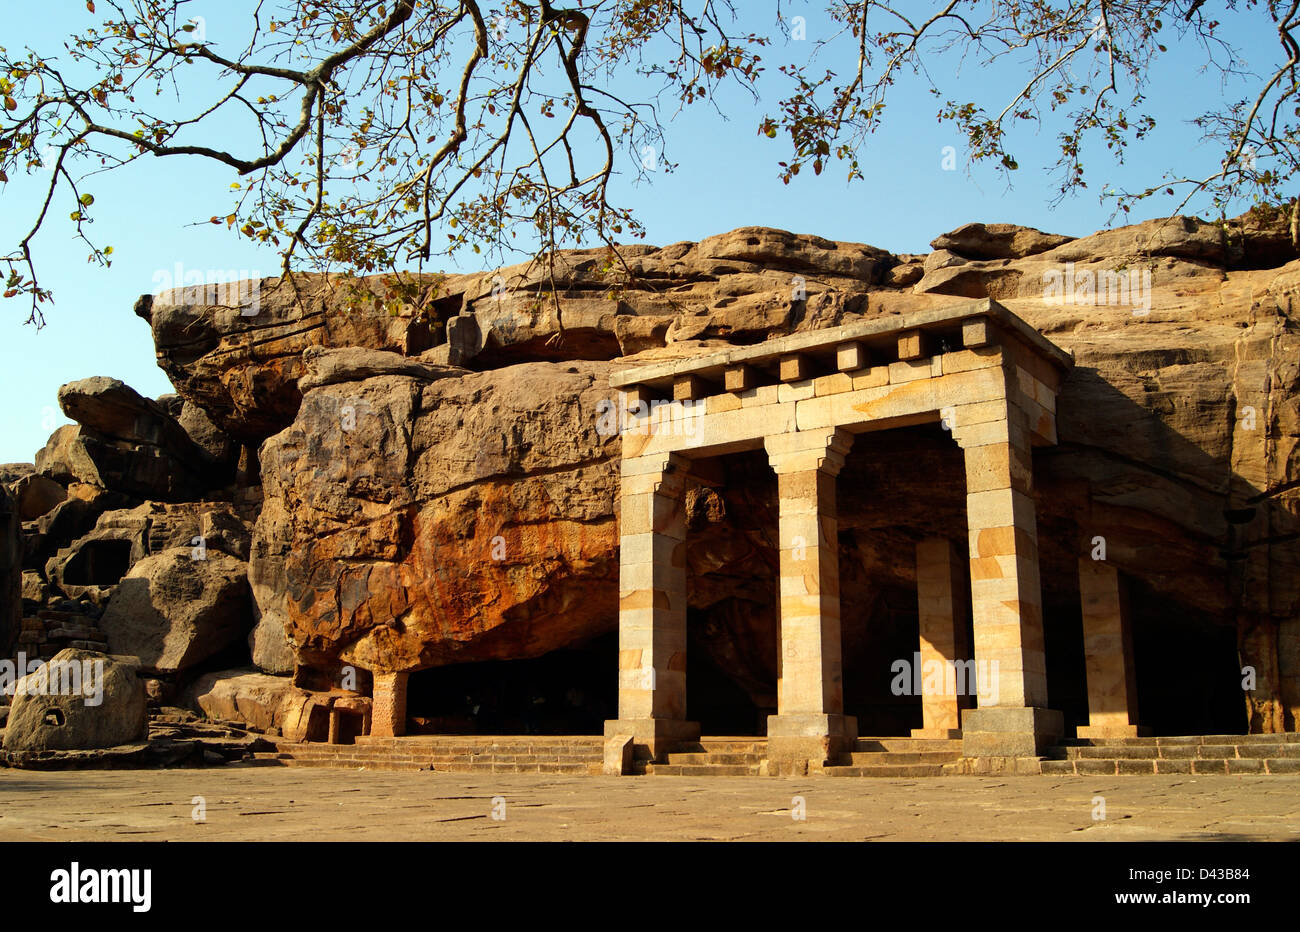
{"x":741,"y":756}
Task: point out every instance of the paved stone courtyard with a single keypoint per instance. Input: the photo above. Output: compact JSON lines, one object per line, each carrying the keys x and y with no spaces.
{"x":286,"y":804}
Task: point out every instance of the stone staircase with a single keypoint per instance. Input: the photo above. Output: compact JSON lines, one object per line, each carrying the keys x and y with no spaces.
{"x":1194,"y":754}
{"x":554,"y":754}
{"x":747,"y":756}
{"x":898,"y":757}
{"x":711,"y":757}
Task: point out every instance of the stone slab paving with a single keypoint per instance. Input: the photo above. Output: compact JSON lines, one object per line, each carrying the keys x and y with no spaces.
{"x":289,"y":804}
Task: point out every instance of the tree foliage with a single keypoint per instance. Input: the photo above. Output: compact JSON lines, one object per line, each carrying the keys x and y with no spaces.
{"x":375,"y":135}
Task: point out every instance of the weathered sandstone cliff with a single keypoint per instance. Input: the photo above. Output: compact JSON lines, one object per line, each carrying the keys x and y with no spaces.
{"x":429,"y":483}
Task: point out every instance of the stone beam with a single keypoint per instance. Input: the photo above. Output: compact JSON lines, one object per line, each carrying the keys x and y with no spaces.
{"x":977,"y":332}
{"x":690,"y":388}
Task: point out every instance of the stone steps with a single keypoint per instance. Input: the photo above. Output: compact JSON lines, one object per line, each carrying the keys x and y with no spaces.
{"x":908,"y":744}
{"x":897,"y":757}
{"x":1186,"y":754}
{"x":884,"y":770}
{"x":725,"y":758}
{"x":710,"y":769}
{"x":900,"y":758}
{"x":894,"y":757}
{"x":1096,"y":767}
{"x":449,"y":754}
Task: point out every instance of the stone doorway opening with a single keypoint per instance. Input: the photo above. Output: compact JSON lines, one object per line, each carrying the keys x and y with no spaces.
{"x":570,"y":691}
{"x":899,"y":487}
{"x":1189,"y":679}
{"x":731,"y":627}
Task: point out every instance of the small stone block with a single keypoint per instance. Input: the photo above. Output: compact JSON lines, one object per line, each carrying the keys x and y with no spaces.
{"x":637,"y":396}
{"x":913,"y":344}
{"x":795,"y":368}
{"x":618,"y":756}
{"x":1137,"y":766}
{"x":976,"y":332}
{"x":739,"y":379}
{"x":689,"y":387}
{"x":850,"y":357}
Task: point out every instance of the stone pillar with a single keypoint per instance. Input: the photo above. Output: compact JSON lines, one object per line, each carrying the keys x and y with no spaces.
{"x":1108,"y":653}
{"x":810,"y":725}
{"x":388,"y":705}
{"x":1012,"y":719}
{"x":942,"y":599}
{"x":652,"y":605}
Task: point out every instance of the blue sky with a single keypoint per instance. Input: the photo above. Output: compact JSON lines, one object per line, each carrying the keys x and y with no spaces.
{"x":726,"y":178}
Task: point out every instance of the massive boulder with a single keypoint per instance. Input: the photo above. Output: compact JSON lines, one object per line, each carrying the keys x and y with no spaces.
{"x":35,"y":495}
{"x":123,"y":442}
{"x":997,"y":241}
{"x":79,"y":701}
{"x":250,"y":698}
{"x":241,"y":369}
{"x":173,"y":610}
{"x":412,"y":523}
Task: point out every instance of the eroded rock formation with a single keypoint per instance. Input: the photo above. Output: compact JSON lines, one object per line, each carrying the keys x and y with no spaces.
{"x":435,"y":486}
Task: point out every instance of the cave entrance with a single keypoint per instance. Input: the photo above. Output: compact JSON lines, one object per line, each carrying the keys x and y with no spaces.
{"x":1188,"y":672}
{"x":98,"y":563}
{"x":570,"y":691}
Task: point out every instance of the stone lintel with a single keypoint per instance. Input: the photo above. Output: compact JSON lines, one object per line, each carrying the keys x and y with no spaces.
{"x":805,"y":450}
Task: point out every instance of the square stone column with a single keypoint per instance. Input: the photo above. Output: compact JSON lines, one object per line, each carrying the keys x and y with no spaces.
{"x":1108,"y":653}
{"x":388,"y":705}
{"x":810,"y":725}
{"x":1012,"y":719}
{"x":943,"y":599}
{"x":652,"y":605}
